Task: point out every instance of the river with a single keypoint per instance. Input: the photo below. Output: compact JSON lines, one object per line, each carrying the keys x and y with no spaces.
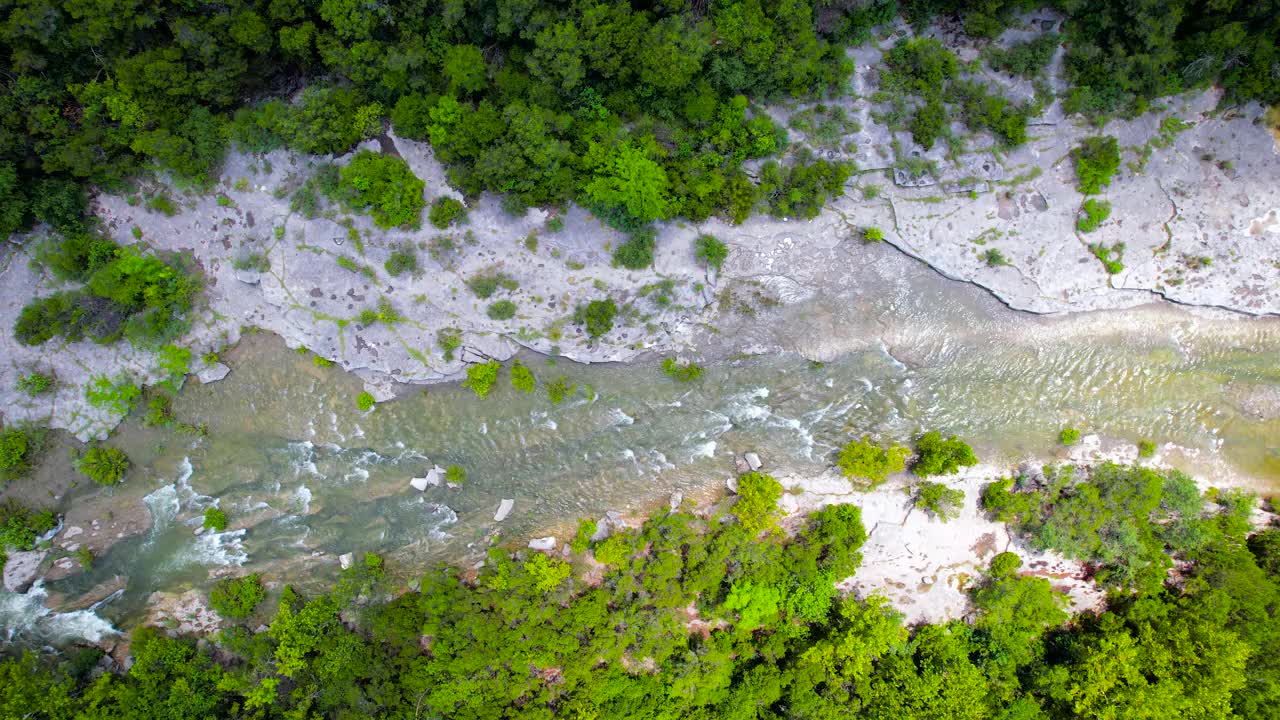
{"x":304,"y":476}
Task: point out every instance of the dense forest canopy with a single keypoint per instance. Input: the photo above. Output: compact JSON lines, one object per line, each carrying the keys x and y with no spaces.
{"x":722,"y":615}
{"x":545,"y":101}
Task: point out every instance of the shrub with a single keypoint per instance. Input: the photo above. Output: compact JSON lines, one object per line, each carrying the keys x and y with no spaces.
{"x":684,"y":372}
{"x":484,"y":286}
{"x":383,"y":186}
{"x":710,"y":251}
{"x":546,"y":573}
{"x":1096,"y":160}
{"x":1095,"y":213}
{"x":521,"y":377}
{"x":446,"y":211}
{"x":1110,"y":257}
{"x":403,"y":260}
{"x":20,"y":526}
{"x":455,"y":475}
{"x":118,"y":397}
{"x":1005,"y":564}
{"x":103,"y":465}
{"x":636,"y":253}
{"x":449,"y":340}
{"x":34,"y":384}
{"x":994,"y":258}
{"x":1069,"y":436}
{"x":481,"y":377}
{"x":15,"y":452}
{"x":254,"y":261}
{"x":215,"y":520}
{"x":559,"y":389}
{"x":597,"y":316}
{"x":159,"y":412}
{"x":501,"y":310}
{"x":237,"y":597}
{"x":365,"y":401}
{"x":582,"y":538}
{"x":1026,"y":59}
{"x":871,"y":461}
{"x":1146,"y":449}
{"x":939,"y":500}
{"x":936,"y":456}
{"x":872,"y":234}
{"x":757,"y":505}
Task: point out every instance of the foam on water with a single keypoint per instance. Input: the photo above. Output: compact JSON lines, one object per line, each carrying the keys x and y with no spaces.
{"x":303,"y":497}
{"x":706,"y":449}
{"x":24,"y":617}
{"x":617,"y":418}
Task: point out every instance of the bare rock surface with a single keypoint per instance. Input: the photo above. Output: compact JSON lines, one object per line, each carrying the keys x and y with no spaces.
{"x":1197,"y":209}
{"x":21,"y":570}
{"x":182,"y":613}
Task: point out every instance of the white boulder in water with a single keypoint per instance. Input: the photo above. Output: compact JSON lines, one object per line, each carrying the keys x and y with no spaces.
{"x":504,"y":509}
{"x":732,"y":484}
{"x":21,"y":570}
{"x":346,"y":560}
{"x":419,"y":484}
{"x":753,"y":461}
{"x":545,"y":543}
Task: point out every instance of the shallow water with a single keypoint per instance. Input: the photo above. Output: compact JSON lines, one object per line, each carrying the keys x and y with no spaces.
{"x":304,"y":476}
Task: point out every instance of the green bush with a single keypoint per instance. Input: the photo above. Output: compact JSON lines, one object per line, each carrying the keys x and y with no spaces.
{"x":1146,"y":449}
{"x":1005,"y":564}
{"x":403,"y":260}
{"x":1095,"y":213}
{"x":1026,"y":59}
{"x":214,"y":519}
{"x":134,"y":296}
{"x":449,"y":340}
{"x":597,"y":316}
{"x":365,"y":401}
{"x":1096,"y":160}
{"x":871,"y":461}
{"x":34,"y":384}
{"x":20,"y":526}
{"x":709,"y":250}
{"x":684,"y":372}
{"x":484,"y":286}
{"x":455,"y":475}
{"x":501,"y":310}
{"x":1069,"y":436}
{"x":103,"y":465}
{"x":938,"y":456}
{"x":582,"y":538}
{"x":446,"y":211}
{"x":481,"y":377}
{"x":15,"y":453}
{"x":237,"y":597}
{"x":559,"y":389}
{"x":994,"y":258}
{"x":119,"y":397}
{"x":872,"y":234}
{"x":939,"y":500}
{"x":757,"y":504}
{"x":383,"y":186}
{"x":636,"y":253}
{"x":521,"y":377}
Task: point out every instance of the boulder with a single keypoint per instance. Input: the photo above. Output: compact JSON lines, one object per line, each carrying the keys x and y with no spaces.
{"x":740,"y":465}
{"x":545,"y":543}
{"x":212,"y":373}
{"x":732,"y":484}
{"x":504,"y":509}
{"x":21,"y":570}
{"x":346,"y":560}
{"x":753,"y":461}
{"x":419,"y":484}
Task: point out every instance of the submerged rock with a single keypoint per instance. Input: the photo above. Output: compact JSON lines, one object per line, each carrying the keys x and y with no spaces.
{"x":212,"y":373}
{"x":21,"y":570}
{"x":504,"y":509}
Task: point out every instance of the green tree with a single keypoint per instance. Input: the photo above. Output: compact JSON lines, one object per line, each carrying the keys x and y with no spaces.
{"x":103,"y":465}
{"x":627,"y":178}
{"x":757,"y":504}
{"x":871,"y":462}
{"x":938,"y":456}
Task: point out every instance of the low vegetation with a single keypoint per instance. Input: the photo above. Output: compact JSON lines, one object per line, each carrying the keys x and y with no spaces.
{"x":1093,"y":214}
{"x":103,"y":465}
{"x":237,"y":598}
{"x":382,"y":186}
{"x":214,"y":519}
{"x":683,"y":372}
{"x":596,"y":316}
{"x":1096,"y":160}
{"x":481,"y":377}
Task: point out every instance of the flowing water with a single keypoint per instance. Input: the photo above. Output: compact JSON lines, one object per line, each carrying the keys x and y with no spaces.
{"x":304,"y":476}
